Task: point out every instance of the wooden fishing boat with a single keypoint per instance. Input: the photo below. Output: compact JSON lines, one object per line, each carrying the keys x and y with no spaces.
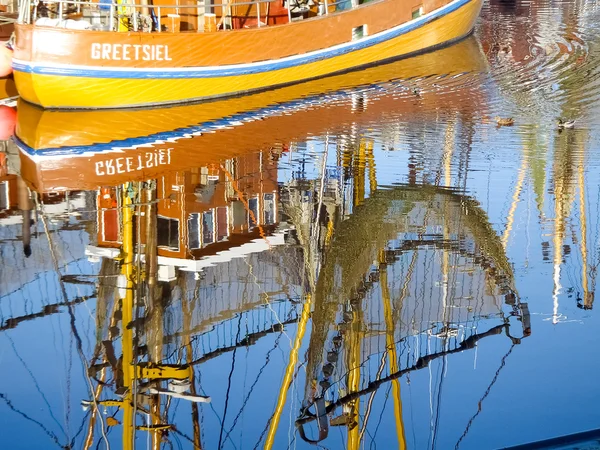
{"x":72,"y":150}
{"x":114,"y":53}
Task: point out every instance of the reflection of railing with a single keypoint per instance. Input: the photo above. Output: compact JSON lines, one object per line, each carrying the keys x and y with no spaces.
{"x":109,"y":15}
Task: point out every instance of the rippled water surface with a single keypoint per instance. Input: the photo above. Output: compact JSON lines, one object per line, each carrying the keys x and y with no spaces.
{"x":367,"y":261}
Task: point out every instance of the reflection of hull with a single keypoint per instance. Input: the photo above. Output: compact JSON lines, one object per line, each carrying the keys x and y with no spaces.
{"x":110,"y":147}
{"x":68,"y":74}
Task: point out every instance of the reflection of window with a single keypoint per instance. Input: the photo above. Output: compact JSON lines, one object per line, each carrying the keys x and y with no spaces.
{"x":208,"y":227}
{"x":4,"y":195}
{"x":238,"y":214}
{"x":269,"y":209}
{"x":193,"y":232}
{"x":253,"y":206}
{"x":222,"y":223}
{"x":168,"y":232}
{"x":110,"y":225}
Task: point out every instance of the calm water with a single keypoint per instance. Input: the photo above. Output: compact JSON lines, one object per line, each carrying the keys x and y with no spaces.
{"x":368,"y":261}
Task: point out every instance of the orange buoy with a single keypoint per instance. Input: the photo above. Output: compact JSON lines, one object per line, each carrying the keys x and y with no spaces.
{"x":6,"y":55}
{"x":8,"y":119}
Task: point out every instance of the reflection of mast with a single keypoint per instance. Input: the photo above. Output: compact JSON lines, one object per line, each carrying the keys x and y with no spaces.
{"x":353,"y":343}
{"x":127,"y":318}
{"x":393,"y":357}
{"x":588,"y":297}
{"x":132,"y":370}
{"x":510,"y":217}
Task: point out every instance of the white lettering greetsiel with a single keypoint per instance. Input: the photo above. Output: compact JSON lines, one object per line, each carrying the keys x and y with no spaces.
{"x":127,"y":164}
{"x":130,"y":52}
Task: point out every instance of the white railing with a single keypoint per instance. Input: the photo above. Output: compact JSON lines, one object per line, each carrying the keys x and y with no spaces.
{"x":114,"y":15}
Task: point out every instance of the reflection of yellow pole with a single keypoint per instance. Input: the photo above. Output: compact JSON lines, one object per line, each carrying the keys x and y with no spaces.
{"x":372,"y":169}
{"x":353,"y":367}
{"x":127,"y":317}
{"x":448,"y":149}
{"x":587,"y":301}
{"x":391,"y":346}
{"x":515,"y":201}
{"x":186,"y":311}
{"x":359,"y":174}
{"x":289,"y":372}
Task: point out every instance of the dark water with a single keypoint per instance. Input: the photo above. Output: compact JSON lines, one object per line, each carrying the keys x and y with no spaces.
{"x":375,"y":264}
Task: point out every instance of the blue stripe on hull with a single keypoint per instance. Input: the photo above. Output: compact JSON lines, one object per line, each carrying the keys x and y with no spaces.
{"x":245,"y":69}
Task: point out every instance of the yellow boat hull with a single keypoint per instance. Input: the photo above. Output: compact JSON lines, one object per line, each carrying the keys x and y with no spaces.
{"x":71,"y":91}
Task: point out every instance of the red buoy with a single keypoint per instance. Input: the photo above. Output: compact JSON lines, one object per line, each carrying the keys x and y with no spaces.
{"x":8,"y":120}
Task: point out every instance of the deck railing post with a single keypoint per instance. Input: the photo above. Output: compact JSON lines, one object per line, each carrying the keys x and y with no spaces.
{"x":258,"y":12}
{"x":326,"y":8}
{"x":158,"y":20}
{"x":60,"y":9}
{"x":135,"y":22}
{"x":112,"y":16}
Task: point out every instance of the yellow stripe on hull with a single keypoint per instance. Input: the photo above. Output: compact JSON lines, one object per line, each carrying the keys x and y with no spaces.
{"x":58,"y":91}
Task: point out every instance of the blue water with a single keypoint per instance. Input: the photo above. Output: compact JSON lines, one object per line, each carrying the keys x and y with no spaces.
{"x":426,"y":273}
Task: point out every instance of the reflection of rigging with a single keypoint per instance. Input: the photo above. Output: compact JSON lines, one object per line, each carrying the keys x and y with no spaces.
{"x":371,"y":230}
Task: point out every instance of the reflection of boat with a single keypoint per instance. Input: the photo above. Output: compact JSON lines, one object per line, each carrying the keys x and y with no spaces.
{"x":86,"y":55}
{"x":116,"y":146}
{"x":170,"y":296}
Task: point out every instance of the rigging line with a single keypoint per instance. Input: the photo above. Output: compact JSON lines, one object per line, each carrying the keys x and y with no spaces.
{"x":267,"y":360}
{"x":80,"y":430}
{"x":387,"y":396}
{"x":438,"y":404}
{"x":36,"y":384}
{"x":372,"y":396}
{"x":40,"y":206}
{"x":22,"y":286}
{"x":487,"y":392}
{"x":39,"y":424}
{"x":421,"y":363}
{"x":266,"y":301}
{"x":68,"y":386}
{"x":260,"y":438}
{"x":185,"y":436}
{"x":229,"y":384}
{"x":216,"y":415}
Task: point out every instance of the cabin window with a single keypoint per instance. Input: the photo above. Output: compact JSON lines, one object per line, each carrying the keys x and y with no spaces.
{"x":269,"y":209}
{"x":222,"y":223}
{"x":4,"y":203}
{"x":359,"y":32}
{"x":168,"y":232}
{"x":193,"y":232}
{"x":253,"y":217}
{"x":238,"y":215}
{"x":208,"y":227}
{"x":418,"y":12}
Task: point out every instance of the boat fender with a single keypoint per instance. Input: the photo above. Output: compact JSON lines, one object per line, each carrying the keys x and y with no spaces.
{"x":8,"y":119}
{"x":6,"y":56}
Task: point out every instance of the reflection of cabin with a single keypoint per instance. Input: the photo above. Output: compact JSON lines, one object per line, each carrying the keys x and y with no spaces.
{"x":8,"y":189}
{"x":203,"y":210}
